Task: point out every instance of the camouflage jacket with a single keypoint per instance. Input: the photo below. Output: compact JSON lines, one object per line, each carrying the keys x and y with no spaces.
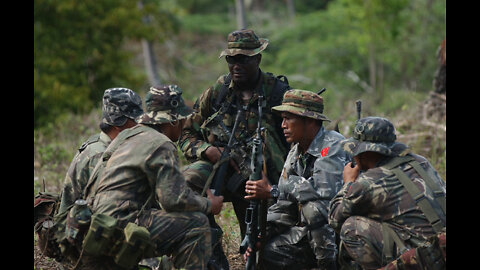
{"x":202,"y":130}
{"x":81,"y":168}
{"x":139,"y":163}
{"x":378,"y":194}
{"x":308,"y":182}
{"x":77,"y":177}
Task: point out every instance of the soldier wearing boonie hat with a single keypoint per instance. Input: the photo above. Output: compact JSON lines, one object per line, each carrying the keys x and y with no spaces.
{"x":118,"y":106}
{"x":164,"y":104}
{"x":203,"y":138}
{"x":312,"y":175}
{"x":139,"y":180}
{"x":244,"y":42}
{"x":303,"y":103}
{"x":392,"y":200}
{"x":375,"y":134}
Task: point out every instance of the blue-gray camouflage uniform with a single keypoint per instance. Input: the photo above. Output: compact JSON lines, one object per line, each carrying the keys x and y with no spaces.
{"x":298,"y":230}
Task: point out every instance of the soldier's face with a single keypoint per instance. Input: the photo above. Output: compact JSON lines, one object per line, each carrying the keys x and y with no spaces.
{"x":244,"y":69}
{"x":293,"y":127}
{"x":177,"y":127}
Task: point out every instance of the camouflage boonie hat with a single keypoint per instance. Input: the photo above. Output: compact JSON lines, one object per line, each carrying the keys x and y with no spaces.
{"x":119,"y":104}
{"x":375,"y":134}
{"x":302,"y":102}
{"x":244,"y":42}
{"x":164,"y":104}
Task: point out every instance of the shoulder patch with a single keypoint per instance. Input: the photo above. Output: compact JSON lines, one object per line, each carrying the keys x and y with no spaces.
{"x":92,"y":139}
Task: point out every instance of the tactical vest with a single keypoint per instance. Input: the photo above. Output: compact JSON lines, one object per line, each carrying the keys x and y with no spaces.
{"x":436,"y":218}
{"x":216,"y":132}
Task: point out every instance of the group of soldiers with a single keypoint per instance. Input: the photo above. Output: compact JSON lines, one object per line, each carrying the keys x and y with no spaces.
{"x":365,"y":202}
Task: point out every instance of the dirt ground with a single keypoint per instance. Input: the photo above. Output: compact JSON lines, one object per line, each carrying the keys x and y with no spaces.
{"x":42,"y":262}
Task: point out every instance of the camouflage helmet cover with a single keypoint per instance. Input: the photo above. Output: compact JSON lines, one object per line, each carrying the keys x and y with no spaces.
{"x":119,"y":104}
{"x":164,"y":104}
{"x":375,"y":134}
{"x":303,"y":103}
{"x":244,"y":42}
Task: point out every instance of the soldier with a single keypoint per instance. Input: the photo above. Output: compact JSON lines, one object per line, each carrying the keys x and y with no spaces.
{"x":120,"y":108}
{"x":139,"y":181}
{"x":392,"y":200}
{"x":206,"y":131}
{"x":298,"y":234}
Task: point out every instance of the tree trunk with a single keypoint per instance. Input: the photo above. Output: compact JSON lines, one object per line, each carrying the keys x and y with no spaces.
{"x":372,"y":68}
{"x":291,"y":9}
{"x":241,"y":19}
{"x":150,"y":63}
{"x":149,"y":55}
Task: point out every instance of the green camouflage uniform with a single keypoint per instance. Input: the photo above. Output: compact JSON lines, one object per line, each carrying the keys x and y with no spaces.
{"x":376,"y":216}
{"x":201,"y":131}
{"x":140,"y":169}
{"x":300,"y":236}
{"x":203,"y":128}
{"x":118,"y":105}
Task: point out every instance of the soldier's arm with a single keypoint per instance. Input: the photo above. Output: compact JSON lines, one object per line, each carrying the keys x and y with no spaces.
{"x":354,"y":198}
{"x":317,"y":191}
{"x":192,"y":142}
{"x":171,"y":189}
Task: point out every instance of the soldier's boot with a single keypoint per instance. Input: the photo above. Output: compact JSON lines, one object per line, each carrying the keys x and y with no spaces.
{"x":218,"y":260}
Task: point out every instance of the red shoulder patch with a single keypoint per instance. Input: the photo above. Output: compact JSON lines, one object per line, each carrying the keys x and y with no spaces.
{"x":324,"y":151}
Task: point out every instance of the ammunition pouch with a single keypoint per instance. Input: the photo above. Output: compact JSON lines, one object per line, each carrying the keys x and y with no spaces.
{"x":135,"y":246}
{"x":238,"y":180}
{"x":234,"y":182}
{"x":127,"y":247}
{"x":102,"y":236}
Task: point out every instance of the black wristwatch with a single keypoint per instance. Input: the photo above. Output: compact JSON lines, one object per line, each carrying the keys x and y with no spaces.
{"x":274,"y":191}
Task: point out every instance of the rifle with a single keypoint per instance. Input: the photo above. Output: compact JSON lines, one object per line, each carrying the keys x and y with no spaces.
{"x":359,"y":112}
{"x":253,"y":219}
{"x":220,"y":174}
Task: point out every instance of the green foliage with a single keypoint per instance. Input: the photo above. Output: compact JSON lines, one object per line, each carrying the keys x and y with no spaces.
{"x":80,"y":50}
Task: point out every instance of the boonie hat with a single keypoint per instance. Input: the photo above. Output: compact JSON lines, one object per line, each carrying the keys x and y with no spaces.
{"x":119,"y":104}
{"x":375,"y":134}
{"x":164,"y":104}
{"x":302,"y":102}
{"x":244,"y":42}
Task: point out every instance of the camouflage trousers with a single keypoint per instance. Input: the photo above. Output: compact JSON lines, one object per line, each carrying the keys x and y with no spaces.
{"x":300,"y":248}
{"x":363,"y":239}
{"x":184,"y":235}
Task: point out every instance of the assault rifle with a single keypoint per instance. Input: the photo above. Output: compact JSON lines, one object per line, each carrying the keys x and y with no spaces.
{"x":220,"y":174}
{"x":253,"y":219}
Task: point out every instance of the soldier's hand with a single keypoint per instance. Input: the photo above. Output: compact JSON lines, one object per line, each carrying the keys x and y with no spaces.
{"x":214,"y":153}
{"x":216,"y":202}
{"x":249,"y":250}
{"x":259,"y":189}
{"x":350,"y":174}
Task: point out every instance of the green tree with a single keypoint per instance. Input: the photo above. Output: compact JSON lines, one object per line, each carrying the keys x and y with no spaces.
{"x":81,"y":47}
